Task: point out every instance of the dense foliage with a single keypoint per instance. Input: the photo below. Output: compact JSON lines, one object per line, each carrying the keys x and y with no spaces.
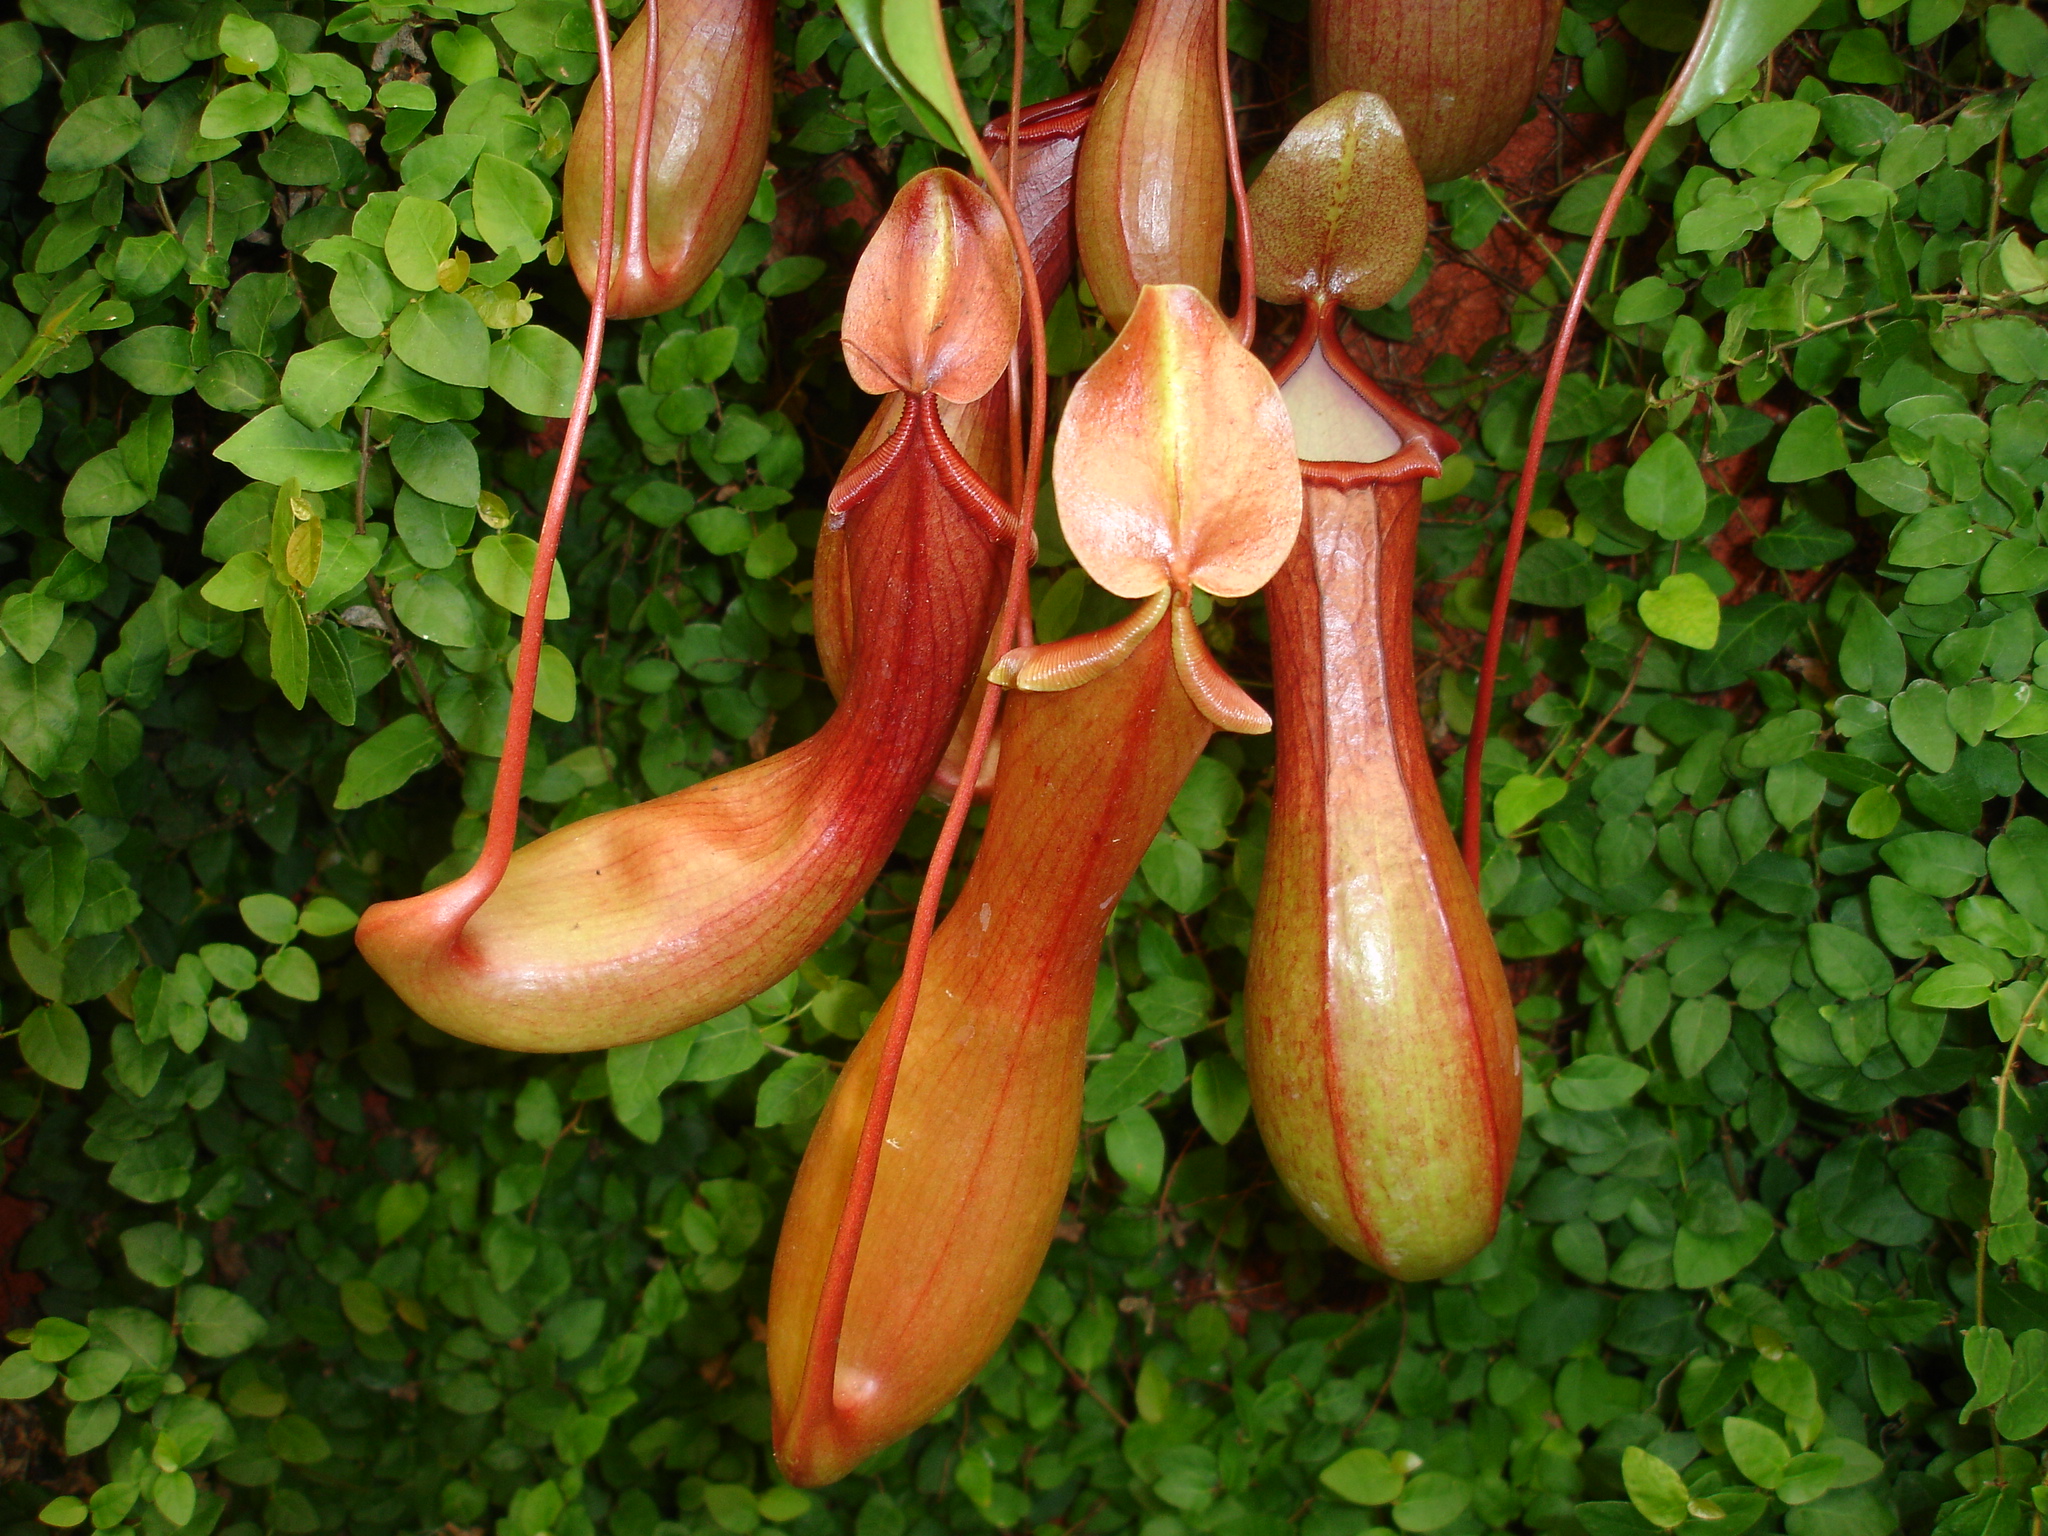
{"x":286,"y":346}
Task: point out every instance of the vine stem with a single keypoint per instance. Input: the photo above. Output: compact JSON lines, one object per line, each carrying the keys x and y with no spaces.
{"x":2004,"y":1082}
{"x":821,"y":1362}
{"x":1539,"y":431}
{"x":1247,"y":318}
{"x":490,"y":866}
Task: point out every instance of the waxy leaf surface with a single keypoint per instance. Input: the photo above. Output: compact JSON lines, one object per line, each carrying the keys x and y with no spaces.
{"x":1338,"y":213}
{"x":934,"y":302}
{"x":1175,"y":460}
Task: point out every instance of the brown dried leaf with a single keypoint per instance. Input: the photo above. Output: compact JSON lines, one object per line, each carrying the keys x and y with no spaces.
{"x":1339,"y":211}
{"x":934,"y":301}
{"x":1175,"y":461}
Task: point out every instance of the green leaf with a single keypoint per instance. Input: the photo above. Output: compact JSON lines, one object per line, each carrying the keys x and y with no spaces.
{"x":1363,"y":1476}
{"x":237,"y":381}
{"x":1803,"y":544}
{"x":1176,"y":873}
{"x":417,"y":241}
{"x":2018,"y":861}
{"x":432,"y":531}
{"x":328,"y":675}
{"x":1936,"y":863}
{"x":21,"y":66}
{"x":1865,"y":58}
{"x":289,"y":651}
{"x":273,"y":919}
{"x":296,"y":1439}
{"x":322,"y":382}
{"x":324,"y":917}
{"x":276,"y":447}
{"x":156,"y":360}
{"x":2017,"y":39}
{"x":770,"y":552}
{"x":1759,"y":1452}
{"x":380,"y":765}
{"x":301,"y":157}
{"x":293,"y":973}
{"x":467,"y":54}
{"x":1137,"y":1150}
{"x":38,"y":708}
{"x":1654,"y":1488}
{"x":217,"y":1323}
{"x":1598,"y":1082}
{"x":57,"y":1339}
{"x":794,"y":1092}
{"x":2024,"y":1413}
{"x":242,"y":584}
{"x":1765,"y":138}
{"x":241,"y":109}
{"x":1810,"y":447}
{"x":399,"y":1207}
{"x":1558,"y":573}
{"x":512,"y":206}
{"x":100,"y":132}
{"x":1846,"y":961}
{"x":30,"y":621}
{"x":1745,"y":33}
{"x":535,"y":370}
{"x":435,"y":608}
{"x":503,"y":564}
{"x":249,"y":45}
{"x":537,"y":1113}
{"x":54,"y":1044}
{"x":159,"y":1254}
{"x":1133,"y":1074}
{"x":864,"y":20}
{"x":21,"y":420}
{"x":1919,"y":718}
{"x":638,"y":1075}
{"x":722,"y":1047}
{"x":1988,"y":1358}
{"x":1646,"y":300}
{"x":792,"y":274}
{"x":438,"y":461}
{"x":1522,"y":799}
{"x":554,"y":693}
{"x":103,"y":488}
{"x":1698,"y":1031}
{"x":1702,"y":1260}
{"x":1663,"y":491}
{"x":1873,"y":657}
{"x":1431,"y":1500}
{"x":1221,"y":1096}
{"x":363,"y":297}
{"x":22,"y":1375}
{"x":443,"y":337}
{"x":1682,"y":609}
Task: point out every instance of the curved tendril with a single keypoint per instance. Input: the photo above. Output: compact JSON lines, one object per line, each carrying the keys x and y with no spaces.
{"x":1021,"y":494}
{"x":821,"y":1362}
{"x":489,"y":868}
{"x":1539,"y":430}
{"x":1247,"y":317}
{"x":635,"y":255}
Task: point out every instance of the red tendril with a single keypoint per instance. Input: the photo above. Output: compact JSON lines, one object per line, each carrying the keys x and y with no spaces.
{"x":489,"y":868}
{"x":1539,"y":430}
{"x":821,"y":1363}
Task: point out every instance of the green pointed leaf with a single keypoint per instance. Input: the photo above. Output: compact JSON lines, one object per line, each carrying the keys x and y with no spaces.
{"x":1741,"y":35}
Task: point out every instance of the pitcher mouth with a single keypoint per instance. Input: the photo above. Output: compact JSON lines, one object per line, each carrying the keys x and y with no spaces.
{"x":1414,"y":447}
